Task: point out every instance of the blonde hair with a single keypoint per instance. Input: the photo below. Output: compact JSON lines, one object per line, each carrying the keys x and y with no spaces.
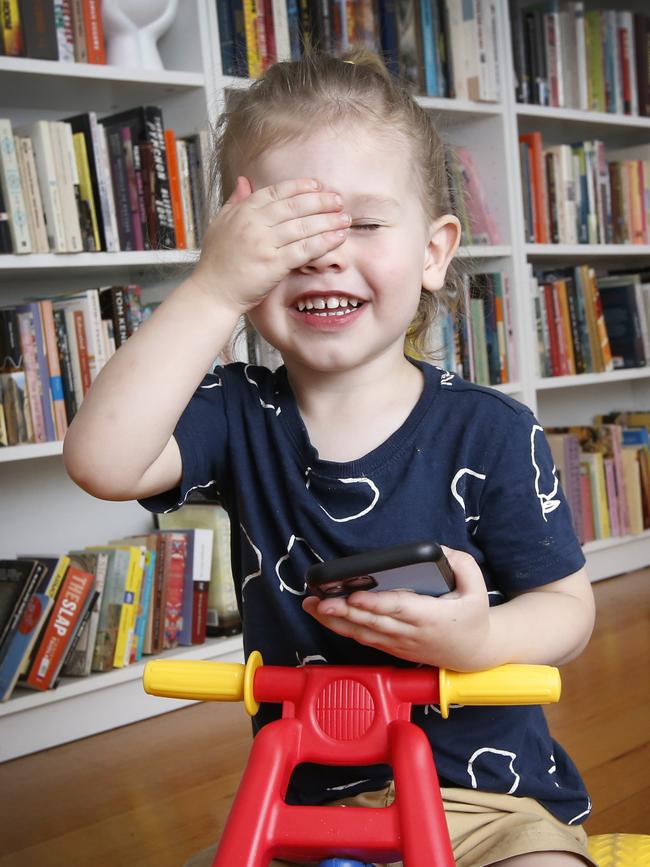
{"x":293,"y":98}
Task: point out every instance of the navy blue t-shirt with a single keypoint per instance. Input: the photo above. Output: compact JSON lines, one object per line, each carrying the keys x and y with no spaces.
{"x":469,"y":468}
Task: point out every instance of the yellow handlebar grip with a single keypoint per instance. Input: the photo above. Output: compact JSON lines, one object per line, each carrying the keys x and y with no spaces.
{"x":507,"y":684}
{"x":200,"y":680}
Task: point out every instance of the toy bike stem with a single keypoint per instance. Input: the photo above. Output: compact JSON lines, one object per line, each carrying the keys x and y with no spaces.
{"x":254,"y":683}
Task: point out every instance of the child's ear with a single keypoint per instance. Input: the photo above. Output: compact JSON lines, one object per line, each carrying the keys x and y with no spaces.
{"x":444,"y":238}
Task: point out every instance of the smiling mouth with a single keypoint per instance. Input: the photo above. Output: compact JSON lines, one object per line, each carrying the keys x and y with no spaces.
{"x":328,"y":306}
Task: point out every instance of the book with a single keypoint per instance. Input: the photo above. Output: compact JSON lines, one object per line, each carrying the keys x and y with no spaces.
{"x":624,"y":311}
{"x":41,"y":137}
{"x":94,"y":31}
{"x":175,"y":188}
{"x":148,"y":545}
{"x":54,"y":369}
{"x":67,"y":178}
{"x":12,"y":29}
{"x":71,"y":604}
{"x":32,"y":194}
{"x":18,"y":580}
{"x":79,"y":659}
{"x":174,"y":570}
{"x":37,"y":374}
{"x":13,"y":191}
{"x":89,"y":223}
{"x":198,"y":568}
{"x":146,"y":126}
{"x":110,"y":607}
{"x":32,"y":621}
{"x":565,"y":449}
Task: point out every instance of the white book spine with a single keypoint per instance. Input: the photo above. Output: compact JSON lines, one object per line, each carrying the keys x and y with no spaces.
{"x":611,"y":23}
{"x":110,"y":223}
{"x":32,"y":193}
{"x":64,"y":31}
{"x":186,"y":194}
{"x":626,"y":25}
{"x":93,"y":322}
{"x":458,"y":48}
{"x":578,"y":10}
{"x":13,"y":190}
{"x":281,"y":30}
{"x":39,"y":132}
{"x":64,"y":161}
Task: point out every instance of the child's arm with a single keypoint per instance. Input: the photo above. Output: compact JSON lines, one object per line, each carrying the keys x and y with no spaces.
{"x":120,"y":444}
{"x":549,"y":625}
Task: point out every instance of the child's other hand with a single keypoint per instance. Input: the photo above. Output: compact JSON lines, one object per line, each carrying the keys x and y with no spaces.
{"x":258,"y":237}
{"x":447,"y":631}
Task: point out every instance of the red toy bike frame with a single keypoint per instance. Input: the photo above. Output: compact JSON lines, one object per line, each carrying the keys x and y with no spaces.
{"x":342,"y":715}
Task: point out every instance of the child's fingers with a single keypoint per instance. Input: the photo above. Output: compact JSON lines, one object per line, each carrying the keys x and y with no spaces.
{"x":308,"y":227}
{"x":300,"y":252}
{"x":297,"y":207}
{"x":284,"y":190}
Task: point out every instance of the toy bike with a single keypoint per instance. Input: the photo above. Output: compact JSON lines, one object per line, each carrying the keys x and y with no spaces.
{"x":343,"y":715}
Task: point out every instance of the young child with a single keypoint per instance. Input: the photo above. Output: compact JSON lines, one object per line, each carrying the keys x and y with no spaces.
{"x":335,"y":239}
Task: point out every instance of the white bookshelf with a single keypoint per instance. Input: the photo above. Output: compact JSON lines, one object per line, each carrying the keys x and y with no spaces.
{"x":41,"y":509}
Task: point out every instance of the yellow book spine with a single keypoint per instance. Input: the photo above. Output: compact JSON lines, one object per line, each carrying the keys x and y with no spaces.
{"x":127,"y":613}
{"x":59,"y":575}
{"x":566,"y":325}
{"x":85,"y":184}
{"x":252,"y":51}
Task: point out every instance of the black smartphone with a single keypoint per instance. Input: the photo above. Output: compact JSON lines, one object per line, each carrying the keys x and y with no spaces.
{"x":418,"y":566}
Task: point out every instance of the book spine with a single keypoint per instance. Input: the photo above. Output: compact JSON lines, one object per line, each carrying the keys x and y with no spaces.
{"x":12,"y":30}
{"x":13,"y":191}
{"x":174,"y":188}
{"x":79,"y":32}
{"x":60,"y":628}
{"x":281,"y":28}
{"x":66,"y":174}
{"x":120,"y":189}
{"x":82,"y":349}
{"x":94,"y":29}
{"x":104,"y":184}
{"x":186,"y":194}
{"x":175,"y":555}
{"x":54,"y":368}
{"x":75,"y":361}
{"x":32,"y":377}
{"x":32,"y":194}
{"x":86,"y":188}
{"x":199,"y":611}
{"x":132,"y":188}
{"x":127,"y":615}
{"x":65,"y":364}
{"x":155,"y":134}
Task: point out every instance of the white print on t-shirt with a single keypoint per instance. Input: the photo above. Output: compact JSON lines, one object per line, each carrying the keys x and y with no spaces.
{"x":361,"y":481}
{"x":436,"y":708}
{"x":277,"y":410}
{"x":188,"y":492}
{"x":493,"y":751}
{"x":465,"y":471}
{"x":580,"y":815}
{"x":307,"y":660}
{"x":216,"y":384}
{"x":278,"y":566}
{"x":546,"y":501}
{"x":258,"y":555}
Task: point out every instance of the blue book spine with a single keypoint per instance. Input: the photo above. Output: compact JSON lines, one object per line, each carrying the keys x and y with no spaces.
{"x":226,"y":38}
{"x":22,"y":641}
{"x":388,"y":34}
{"x":147,"y":585}
{"x":293,"y":17}
{"x":428,"y":48}
{"x":185,"y":632}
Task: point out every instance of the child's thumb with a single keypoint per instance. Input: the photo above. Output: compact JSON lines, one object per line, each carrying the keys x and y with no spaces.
{"x":242,"y":191}
{"x":467,"y":572}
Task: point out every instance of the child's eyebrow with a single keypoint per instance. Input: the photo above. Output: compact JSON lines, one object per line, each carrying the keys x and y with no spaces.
{"x":371,"y":199}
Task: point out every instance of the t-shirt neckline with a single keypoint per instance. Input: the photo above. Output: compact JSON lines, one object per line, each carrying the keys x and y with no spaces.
{"x":297,"y":431}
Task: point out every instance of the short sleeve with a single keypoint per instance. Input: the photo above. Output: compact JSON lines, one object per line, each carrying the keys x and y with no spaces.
{"x":525,"y":527}
{"x":202,"y":437}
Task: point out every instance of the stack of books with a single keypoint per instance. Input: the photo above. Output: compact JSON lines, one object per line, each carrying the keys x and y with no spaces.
{"x":446,"y":48}
{"x":590,"y":323}
{"x":116,"y":184}
{"x":105,"y":607}
{"x":604,"y":470}
{"x":69,"y":31}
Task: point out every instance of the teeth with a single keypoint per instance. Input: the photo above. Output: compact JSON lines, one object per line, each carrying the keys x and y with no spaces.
{"x":331,"y":302}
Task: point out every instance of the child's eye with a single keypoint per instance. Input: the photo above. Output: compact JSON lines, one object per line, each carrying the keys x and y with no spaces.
{"x":367,"y":226}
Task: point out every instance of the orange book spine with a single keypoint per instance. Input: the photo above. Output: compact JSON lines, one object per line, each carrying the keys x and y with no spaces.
{"x":95,"y":44}
{"x":82,"y":347}
{"x":175,"y":188}
{"x":534,"y":142}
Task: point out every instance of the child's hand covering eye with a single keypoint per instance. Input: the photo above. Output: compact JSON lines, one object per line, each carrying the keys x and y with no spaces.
{"x":447,"y":631}
{"x":258,"y":237}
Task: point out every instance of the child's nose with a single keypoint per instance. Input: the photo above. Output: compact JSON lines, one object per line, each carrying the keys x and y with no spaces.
{"x":333,"y":260}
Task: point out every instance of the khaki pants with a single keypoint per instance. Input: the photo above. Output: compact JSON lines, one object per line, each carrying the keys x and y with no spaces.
{"x":484,"y":828}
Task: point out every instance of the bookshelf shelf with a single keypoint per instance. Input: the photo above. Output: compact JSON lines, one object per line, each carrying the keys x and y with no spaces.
{"x":583,"y":379}
{"x":477,"y":251}
{"x":35,"y":264}
{"x":585,"y":252}
{"x":29,"y":452}
{"x":66,"y":88}
{"x":34,"y":721}
{"x":576,"y":116}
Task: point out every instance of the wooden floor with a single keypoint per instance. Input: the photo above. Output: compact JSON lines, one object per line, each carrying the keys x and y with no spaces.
{"x":156,"y":791}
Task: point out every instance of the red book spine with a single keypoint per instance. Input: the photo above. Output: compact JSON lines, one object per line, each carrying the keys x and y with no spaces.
{"x":199,"y":611}
{"x":175,"y":555}
{"x":82,"y":348}
{"x":61,"y":627}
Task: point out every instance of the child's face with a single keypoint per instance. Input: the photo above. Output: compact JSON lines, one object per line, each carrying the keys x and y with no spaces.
{"x":377,"y":272}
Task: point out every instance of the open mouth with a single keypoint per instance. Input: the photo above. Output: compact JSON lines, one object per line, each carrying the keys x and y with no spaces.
{"x":328,"y":306}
